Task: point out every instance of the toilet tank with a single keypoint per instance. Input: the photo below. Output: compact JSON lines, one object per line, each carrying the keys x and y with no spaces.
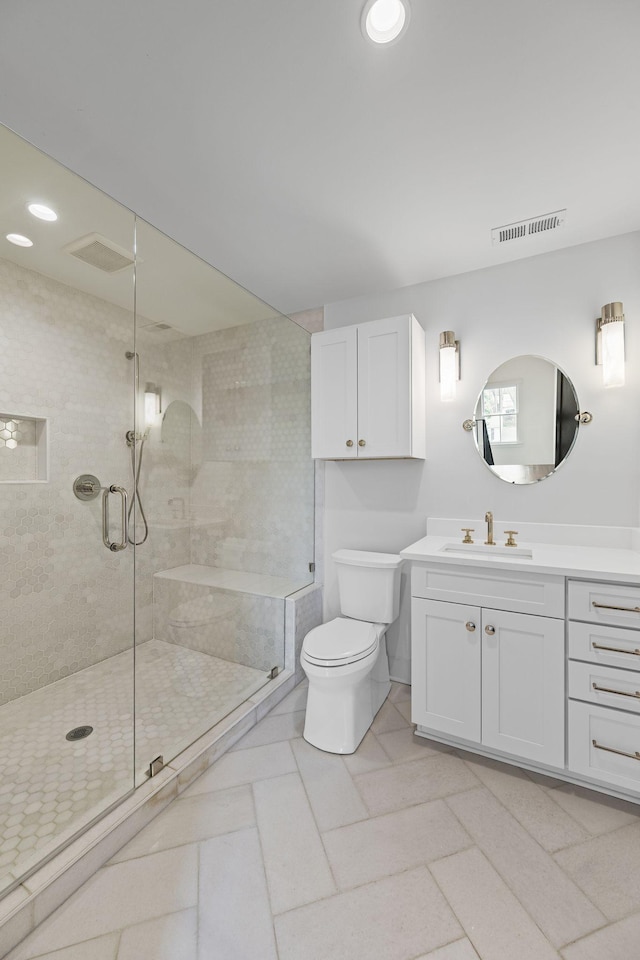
{"x":369,"y":584}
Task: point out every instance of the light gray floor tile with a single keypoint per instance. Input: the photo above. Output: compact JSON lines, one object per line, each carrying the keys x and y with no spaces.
{"x":103,"y":948}
{"x":394,"y":919}
{"x":458,"y":950}
{"x":119,"y":896}
{"x":293,"y":702}
{"x":295,"y":862}
{"x":558,"y":906}
{"x":619,"y":941}
{"x":191,"y":819}
{"x":235,"y":916}
{"x":368,"y":756}
{"x":331,"y":791}
{"x":388,"y":718}
{"x":400,"y":692}
{"x":401,"y":745}
{"x":495,"y":922}
{"x":244,"y":766}
{"x":405,"y":784}
{"x":594,"y":811}
{"x":271,"y":729}
{"x":376,"y":848}
{"x":608,"y":870}
{"x":530,"y":804}
{"x":404,"y":708}
{"x":173,"y":937}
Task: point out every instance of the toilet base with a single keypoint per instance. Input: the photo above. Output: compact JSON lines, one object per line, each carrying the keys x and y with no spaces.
{"x":343,"y":701}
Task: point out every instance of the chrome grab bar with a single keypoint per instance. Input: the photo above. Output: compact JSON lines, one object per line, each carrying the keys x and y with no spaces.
{"x":602,"y":646}
{"x":621,"y":753}
{"x":609,"y":606}
{"x":620,"y":693}
{"x":114,"y":546}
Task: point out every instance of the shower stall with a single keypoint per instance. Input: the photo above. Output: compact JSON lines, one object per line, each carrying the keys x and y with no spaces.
{"x":156,"y":502}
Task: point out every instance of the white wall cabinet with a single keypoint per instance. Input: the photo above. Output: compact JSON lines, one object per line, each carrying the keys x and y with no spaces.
{"x":368,"y":391}
{"x":490,"y":677}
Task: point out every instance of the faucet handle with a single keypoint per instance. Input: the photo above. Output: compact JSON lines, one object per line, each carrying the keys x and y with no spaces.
{"x":467,"y":531}
{"x":510,"y":538}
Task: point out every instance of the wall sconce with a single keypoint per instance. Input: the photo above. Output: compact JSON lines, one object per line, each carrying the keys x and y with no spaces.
{"x":449,"y":364}
{"x":610,"y":344}
{"x":152,"y":408}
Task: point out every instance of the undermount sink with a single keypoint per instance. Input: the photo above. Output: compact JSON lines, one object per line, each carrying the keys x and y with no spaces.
{"x":481,"y":549}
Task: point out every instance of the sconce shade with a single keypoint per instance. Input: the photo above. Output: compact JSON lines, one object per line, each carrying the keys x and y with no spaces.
{"x":611,"y":332}
{"x":151,"y":404}
{"x":449,"y":365}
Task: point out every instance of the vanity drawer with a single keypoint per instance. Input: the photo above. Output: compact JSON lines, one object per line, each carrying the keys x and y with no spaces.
{"x":608,"y":686}
{"x":604,"y":745}
{"x":614,"y":646}
{"x":536,"y":593}
{"x":604,"y":603}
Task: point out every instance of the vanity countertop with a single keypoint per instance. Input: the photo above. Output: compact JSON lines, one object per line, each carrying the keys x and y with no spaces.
{"x":586,"y":562}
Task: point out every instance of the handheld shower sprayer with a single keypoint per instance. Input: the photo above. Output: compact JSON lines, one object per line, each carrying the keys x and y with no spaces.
{"x":135,"y":442}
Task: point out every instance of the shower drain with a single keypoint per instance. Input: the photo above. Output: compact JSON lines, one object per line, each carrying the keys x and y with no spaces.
{"x":79,"y":733}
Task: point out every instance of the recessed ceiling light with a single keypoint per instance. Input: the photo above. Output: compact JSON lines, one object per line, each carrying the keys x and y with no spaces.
{"x":19,"y":240}
{"x":385,"y":20}
{"x":41,"y":212}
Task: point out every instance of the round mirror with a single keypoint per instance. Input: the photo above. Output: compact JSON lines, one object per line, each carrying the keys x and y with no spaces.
{"x":525,"y":419}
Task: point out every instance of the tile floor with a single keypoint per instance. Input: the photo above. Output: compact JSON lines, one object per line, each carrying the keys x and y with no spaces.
{"x":404,"y":851}
{"x":50,"y":786}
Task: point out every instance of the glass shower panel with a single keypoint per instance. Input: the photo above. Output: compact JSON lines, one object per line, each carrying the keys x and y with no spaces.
{"x":66,"y":402}
{"x":226,"y":486}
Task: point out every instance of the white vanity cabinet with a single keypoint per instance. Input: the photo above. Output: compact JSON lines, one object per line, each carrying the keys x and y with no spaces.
{"x":604,"y":682}
{"x":482,"y":671}
{"x":368,"y":391}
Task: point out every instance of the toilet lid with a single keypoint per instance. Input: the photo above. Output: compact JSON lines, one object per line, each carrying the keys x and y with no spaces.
{"x":341,"y":641}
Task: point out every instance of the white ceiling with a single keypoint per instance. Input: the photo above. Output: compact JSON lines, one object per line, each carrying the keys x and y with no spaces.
{"x":311,"y":165}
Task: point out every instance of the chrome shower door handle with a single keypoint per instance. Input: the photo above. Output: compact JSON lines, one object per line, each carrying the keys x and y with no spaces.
{"x":114,"y":545}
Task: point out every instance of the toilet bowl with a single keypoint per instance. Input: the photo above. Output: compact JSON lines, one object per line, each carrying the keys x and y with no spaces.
{"x":346,"y":659}
{"x":191,"y":621}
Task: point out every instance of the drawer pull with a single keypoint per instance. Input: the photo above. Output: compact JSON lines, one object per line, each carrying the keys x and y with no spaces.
{"x":621,"y":753}
{"x":610,"y":606}
{"x":620,"y":693}
{"x":601,"y":646}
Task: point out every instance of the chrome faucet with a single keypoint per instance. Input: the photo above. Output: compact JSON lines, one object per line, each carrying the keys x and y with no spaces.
{"x":490,"y":542}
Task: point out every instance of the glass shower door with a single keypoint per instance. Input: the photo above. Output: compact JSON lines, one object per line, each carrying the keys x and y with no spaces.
{"x":66,"y":403}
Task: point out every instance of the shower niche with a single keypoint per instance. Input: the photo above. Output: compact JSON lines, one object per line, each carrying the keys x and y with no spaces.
{"x":23,"y":449}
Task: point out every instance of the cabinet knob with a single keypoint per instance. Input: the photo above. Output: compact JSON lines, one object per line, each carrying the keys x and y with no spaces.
{"x":489,"y":630}
{"x":349,"y":443}
{"x":470,"y":625}
{"x":361,"y":443}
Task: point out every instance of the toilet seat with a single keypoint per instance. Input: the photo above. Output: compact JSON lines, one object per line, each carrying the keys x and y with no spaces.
{"x":341,"y":641}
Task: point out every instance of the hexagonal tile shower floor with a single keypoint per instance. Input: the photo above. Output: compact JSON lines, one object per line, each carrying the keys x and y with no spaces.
{"x":52,"y":786}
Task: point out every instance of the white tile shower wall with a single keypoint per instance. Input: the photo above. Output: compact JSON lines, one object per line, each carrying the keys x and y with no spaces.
{"x":303,"y":611}
{"x":69,"y":602}
{"x":252,"y":497}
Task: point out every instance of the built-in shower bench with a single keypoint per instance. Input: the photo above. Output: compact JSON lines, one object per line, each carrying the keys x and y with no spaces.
{"x":259,"y":584}
{"x":246,"y":618}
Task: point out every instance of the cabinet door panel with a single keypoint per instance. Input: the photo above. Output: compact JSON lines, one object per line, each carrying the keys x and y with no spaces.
{"x":445,"y":668}
{"x":334,"y":396}
{"x":523,"y":686}
{"x":384,"y":388}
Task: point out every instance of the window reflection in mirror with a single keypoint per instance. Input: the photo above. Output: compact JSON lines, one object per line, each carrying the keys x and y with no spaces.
{"x":525,"y":422}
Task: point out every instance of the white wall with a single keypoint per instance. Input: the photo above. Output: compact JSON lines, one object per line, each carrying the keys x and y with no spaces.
{"x":545,"y":305}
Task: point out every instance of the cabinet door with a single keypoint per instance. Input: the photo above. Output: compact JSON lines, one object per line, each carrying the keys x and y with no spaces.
{"x":384,"y":388}
{"x":445,"y":667}
{"x":334,"y":396}
{"x":523,"y":685}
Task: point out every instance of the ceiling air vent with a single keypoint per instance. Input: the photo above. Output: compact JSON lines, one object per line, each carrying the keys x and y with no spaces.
{"x":526,"y":228}
{"x":101,"y":253}
{"x":158,"y":328}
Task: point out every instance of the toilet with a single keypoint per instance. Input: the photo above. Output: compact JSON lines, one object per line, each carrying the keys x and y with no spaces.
{"x":346,"y":659}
